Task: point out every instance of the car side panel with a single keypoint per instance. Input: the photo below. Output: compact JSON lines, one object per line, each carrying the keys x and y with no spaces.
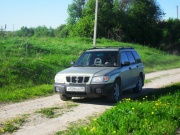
{"x":134,"y":74}
{"x":125,"y":77}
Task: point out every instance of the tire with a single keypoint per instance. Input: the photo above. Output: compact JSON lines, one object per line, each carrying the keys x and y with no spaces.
{"x":64,"y":97}
{"x":114,"y":96}
{"x":139,"y":85}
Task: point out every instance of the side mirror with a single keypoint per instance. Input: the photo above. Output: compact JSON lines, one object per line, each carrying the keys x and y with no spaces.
{"x":72,"y":63}
{"x":138,"y":60}
{"x":126,"y":63}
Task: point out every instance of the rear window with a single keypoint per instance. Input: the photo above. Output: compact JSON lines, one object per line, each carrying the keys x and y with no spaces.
{"x":136,"y":56}
{"x":131,"y":57}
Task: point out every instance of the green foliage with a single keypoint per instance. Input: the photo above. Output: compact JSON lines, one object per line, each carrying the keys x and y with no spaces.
{"x":15,"y":93}
{"x":74,"y":11}
{"x":136,"y":22}
{"x":40,"y":31}
{"x":62,"y":31}
{"x":142,"y":25}
{"x":138,"y":117}
{"x":43,"y":31}
{"x":105,"y":17}
{"x":84,"y":27}
{"x":48,"y":112}
{"x":57,"y":111}
{"x":12,"y":125}
{"x":25,"y":32}
{"x":171,"y":32}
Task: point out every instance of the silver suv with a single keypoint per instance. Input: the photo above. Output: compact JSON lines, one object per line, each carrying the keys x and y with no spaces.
{"x":102,"y":72}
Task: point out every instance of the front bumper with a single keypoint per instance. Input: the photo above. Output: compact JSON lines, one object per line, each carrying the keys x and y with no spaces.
{"x":91,"y":90}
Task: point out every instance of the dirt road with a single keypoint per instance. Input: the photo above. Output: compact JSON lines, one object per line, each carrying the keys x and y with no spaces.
{"x":40,"y":125}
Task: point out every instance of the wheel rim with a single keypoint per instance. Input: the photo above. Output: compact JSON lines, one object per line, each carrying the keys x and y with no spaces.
{"x":140,"y":84}
{"x":116,"y":91}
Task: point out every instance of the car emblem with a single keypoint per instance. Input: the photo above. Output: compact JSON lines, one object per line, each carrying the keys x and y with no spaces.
{"x":77,"y":79}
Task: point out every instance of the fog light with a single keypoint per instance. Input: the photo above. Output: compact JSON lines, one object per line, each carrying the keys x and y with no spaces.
{"x":56,"y":89}
{"x":98,"y":90}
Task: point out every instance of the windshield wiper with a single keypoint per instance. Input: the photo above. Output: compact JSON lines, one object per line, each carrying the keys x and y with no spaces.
{"x":97,"y":65}
{"x":80,"y":66}
{"x":76,"y":65}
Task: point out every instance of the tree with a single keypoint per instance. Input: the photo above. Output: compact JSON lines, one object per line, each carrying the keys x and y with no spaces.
{"x":142,"y":26}
{"x":42,"y":31}
{"x":75,"y":11}
{"x":25,"y":32}
{"x":84,"y":27}
{"x":61,"y":31}
{"x":171,"y":32}
{"x":87,"y":20}
{"x":137,"y":21}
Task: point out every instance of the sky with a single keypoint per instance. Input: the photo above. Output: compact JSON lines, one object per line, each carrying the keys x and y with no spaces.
{"x":52,"y":13}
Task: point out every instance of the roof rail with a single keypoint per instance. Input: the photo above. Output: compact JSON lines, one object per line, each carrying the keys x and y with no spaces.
{"x":94,"y":48}
{"x":126,"y":47}
{"x":112,"y":47}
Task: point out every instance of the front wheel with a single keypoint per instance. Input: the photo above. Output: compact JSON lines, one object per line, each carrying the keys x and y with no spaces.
{"x":115,"y":94}
{"x":64,"y":97}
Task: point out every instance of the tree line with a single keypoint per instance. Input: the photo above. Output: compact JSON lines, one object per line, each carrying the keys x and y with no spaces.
{"x":138,"y":21}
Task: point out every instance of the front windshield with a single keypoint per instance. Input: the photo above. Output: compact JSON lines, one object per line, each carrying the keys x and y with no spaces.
{"x":101,"y":58}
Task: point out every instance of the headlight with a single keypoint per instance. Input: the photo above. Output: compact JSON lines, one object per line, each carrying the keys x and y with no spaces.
{"x":100,"y":79}
{"x":59,"y":79}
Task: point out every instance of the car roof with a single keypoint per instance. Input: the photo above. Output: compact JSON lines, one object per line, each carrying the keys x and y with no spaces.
{"x":110,"y":49}
{"x":102,"y":49}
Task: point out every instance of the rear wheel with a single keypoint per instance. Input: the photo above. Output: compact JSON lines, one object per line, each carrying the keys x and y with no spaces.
{"x":116,"y":93}
{"x":64,"y":97}
{"x":139,"y":85}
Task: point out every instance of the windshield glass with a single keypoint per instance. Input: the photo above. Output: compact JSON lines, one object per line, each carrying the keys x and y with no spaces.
{"x":101,"y":58}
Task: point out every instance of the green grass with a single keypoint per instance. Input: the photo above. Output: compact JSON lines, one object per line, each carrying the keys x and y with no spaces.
{"x":13,"y":125}
{"x":29,"y":62}
{"x":20,"y":94}
{"x":57,"y":111}
{"x":77,"y":124}
{"x":49,"y":112}
{"x":155,"y":114}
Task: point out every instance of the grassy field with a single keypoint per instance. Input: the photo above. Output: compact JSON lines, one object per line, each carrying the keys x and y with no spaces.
{"x":155,"y":114}
{"x":28,"y":65}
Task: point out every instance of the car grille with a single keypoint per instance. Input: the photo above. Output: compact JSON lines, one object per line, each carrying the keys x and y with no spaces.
{"x":77,"y":79}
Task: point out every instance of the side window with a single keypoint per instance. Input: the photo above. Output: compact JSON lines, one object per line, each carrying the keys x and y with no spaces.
{"x":124,"y":58}
{"x":131,"y":57}
{"x":137,"y":57}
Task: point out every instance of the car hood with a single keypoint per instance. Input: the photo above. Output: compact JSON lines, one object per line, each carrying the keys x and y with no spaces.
{"x":87,"y":71}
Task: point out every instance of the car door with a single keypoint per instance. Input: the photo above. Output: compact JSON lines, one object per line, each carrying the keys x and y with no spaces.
{"x":133,"y":68}
{"x":125,"y":71}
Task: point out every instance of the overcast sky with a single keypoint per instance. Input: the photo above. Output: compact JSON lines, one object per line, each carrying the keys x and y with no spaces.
{"x":52,"y":13}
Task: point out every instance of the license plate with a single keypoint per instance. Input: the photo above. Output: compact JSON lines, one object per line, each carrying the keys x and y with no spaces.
{"x":75,"y":89}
